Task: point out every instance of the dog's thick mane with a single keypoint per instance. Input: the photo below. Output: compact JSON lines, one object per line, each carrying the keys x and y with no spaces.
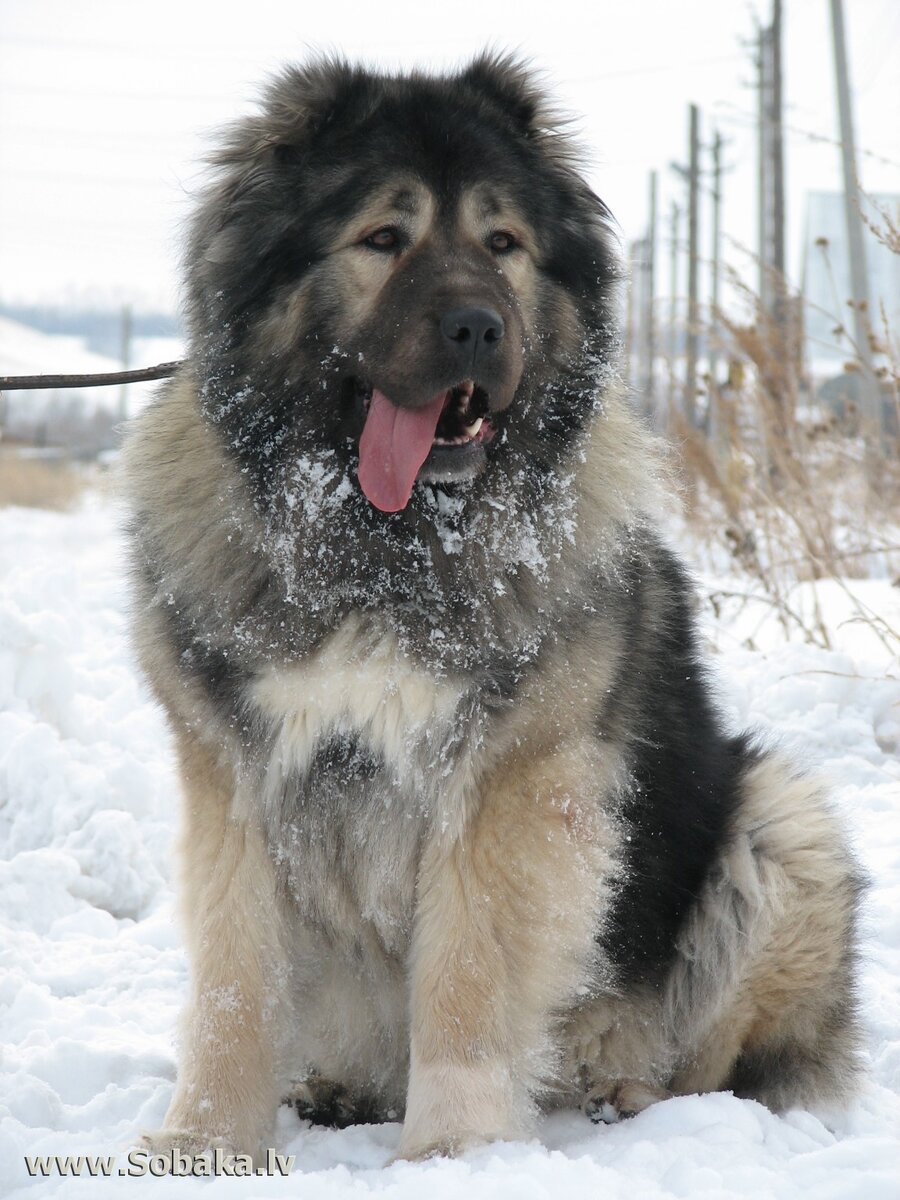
{"x":470,"y":578}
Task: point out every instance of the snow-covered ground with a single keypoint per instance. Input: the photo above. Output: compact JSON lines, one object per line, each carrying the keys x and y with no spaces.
{"x":92,"y":971}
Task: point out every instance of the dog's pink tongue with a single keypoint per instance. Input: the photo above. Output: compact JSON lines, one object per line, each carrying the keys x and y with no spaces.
{"x":394,"y":444}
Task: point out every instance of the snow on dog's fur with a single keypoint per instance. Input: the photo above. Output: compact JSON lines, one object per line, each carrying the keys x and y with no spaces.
{"x":463,"y":832}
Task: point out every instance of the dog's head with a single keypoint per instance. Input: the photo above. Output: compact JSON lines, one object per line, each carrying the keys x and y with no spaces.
{"x":404,"y":269}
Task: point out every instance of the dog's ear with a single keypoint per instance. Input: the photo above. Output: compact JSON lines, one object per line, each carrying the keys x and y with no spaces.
{"x":295,"y":105}
{"x":301,"y":101}
{"x":507,"y":83}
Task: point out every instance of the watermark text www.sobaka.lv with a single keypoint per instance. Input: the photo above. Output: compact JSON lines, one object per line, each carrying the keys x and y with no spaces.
{"x":140,"y":1162}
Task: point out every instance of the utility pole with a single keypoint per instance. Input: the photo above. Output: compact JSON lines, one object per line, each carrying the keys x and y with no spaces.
{"x":690,"y":372}
{"x":777,"y":152}
{"x":784,"y":334}
{"x":870,"y":403}
{"x":674,"y":228}
{"x":125,"y":355}
{"x":633,"y":343}
{"x":777,"y":366}
{"x":762,"y":162}
{"x":649,"y":299}
{"x":715,"y":257}
{"x":717,"y":423}
{"x":771,"y":164}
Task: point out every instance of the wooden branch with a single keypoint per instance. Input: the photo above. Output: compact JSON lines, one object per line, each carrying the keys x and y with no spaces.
{"x":30,"y":383}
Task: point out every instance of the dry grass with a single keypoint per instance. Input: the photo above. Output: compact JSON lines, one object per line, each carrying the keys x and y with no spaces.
{"x":790,"y":492}
{"x":798,"y":510}
{"x":784,"y":488}
{"x":39,"y":483}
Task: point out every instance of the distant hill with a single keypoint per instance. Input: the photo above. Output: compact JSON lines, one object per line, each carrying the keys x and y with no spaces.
{"x":99,"y":328}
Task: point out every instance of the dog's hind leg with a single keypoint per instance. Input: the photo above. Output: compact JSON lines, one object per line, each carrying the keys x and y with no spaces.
{"x":759,"y":998}
{"x":227,"y":1091}
{"x":504,"y":937}
{"x":786,"y":1031}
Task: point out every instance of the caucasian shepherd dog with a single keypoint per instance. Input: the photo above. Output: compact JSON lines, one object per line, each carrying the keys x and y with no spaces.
{"x":464,"y":835}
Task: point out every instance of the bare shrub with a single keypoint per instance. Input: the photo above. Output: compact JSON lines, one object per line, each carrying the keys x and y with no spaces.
{"x":789,"y":489}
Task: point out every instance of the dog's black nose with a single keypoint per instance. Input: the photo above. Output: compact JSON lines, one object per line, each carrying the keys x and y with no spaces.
{"x":476,"y":331}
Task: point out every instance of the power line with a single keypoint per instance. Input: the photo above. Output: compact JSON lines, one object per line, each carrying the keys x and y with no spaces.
{"x":32,"y":89}
{"x":168,"y":53}
{"x":739,"y":116}
{"x":39,"y":89}
{"x":80,"y":177}
{"x":85,"y":134}
{"x":141,"y":51}
{"x":660,"y":69}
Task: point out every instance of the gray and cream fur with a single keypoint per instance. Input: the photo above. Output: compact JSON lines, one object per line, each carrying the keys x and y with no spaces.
{"x":463,"y":834}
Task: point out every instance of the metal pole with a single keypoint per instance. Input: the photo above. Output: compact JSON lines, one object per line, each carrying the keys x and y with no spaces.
{"x":630,"y":310}
{"x":869,"y":400}
{"x":777,"y":362}
{"x":674,"y":224}
{"x":783,"y":333}
{"x":763,"y":240}
{"x":717,"y":423}
{"x":716,"y":252}
{"x":690,"y":374}
{"x":649,"y":298}
{"x":777,"y":150}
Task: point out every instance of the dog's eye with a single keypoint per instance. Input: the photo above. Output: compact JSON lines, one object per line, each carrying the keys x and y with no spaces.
{"x":383,"y":239}
{"x":502,"y":243}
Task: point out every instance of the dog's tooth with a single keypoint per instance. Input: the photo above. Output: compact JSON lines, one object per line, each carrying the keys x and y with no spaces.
{"x":471,"y":430}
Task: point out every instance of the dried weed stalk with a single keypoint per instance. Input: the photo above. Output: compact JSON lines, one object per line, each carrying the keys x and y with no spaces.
{"x":788,"y":486}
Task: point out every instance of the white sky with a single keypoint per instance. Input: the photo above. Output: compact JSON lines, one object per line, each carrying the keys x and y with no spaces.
{"x":104,"y":105}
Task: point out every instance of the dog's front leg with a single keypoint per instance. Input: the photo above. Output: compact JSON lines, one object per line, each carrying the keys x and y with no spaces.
{"x":505,"y":923}
{"x":228,"y":1091}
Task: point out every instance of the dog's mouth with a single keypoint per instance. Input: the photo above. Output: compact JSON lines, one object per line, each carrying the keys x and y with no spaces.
{"x":442,"y":439}
{"x":464,"y":416}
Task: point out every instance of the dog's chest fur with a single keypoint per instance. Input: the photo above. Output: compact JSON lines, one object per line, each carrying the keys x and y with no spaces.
{"x":361,"y":757}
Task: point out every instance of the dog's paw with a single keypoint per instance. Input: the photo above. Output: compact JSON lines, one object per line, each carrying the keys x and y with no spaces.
{"x":619,"y":1101}
{"x":324,"y":1102}
{"x":177,"y":1145}
{"x":447,"y":1146}
{"x":190,"y":1141}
